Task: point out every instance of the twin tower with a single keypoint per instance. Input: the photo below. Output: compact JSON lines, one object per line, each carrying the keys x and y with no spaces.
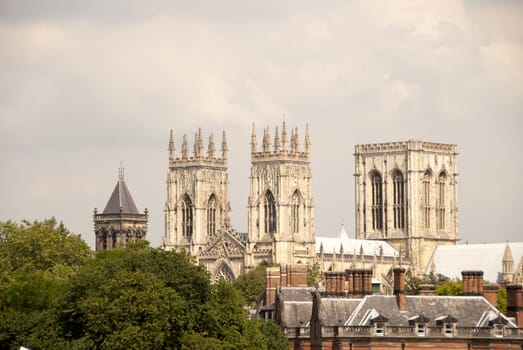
{"x":280,"y":204}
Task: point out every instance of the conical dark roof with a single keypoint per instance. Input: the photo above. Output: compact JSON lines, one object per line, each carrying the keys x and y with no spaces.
{"x":121,"y":198}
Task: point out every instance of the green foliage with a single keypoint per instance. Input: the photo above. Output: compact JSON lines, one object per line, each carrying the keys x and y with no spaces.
{"x":56,"y":294}
{"x":36,"y":260}
{"x":451,"y":287}
{"x":252,"y":284}
{"x":502,"y":300}
{"x":276,"y":340}
{"x":314,"y":275}
{"x":412,"y":284}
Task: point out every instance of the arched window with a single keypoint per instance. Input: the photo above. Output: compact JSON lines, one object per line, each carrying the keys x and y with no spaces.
{"x":211,"y":215}
{"x":270,"y":213}
{"x":187,"y":216}
{"x":295,"y":212}
{"x":224,"y":273}
{"x":377,"y":201}
{"x":442,"y":181}
{"x":427,"y":179}
{"x":399,"y":200}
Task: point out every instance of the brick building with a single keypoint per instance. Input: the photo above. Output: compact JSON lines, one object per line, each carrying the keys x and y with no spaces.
{"x":346,"y":315}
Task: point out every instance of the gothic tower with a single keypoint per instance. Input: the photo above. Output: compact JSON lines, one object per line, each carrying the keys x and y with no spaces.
{"x":120,"y":223}
{"x":197,"y":195}
{"x":406,"y":194}
{"x":280,"y":205}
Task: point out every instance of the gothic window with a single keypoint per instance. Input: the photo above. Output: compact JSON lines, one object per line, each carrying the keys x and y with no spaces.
{"x":295,"y":212}
{"x":399,"y":200}
{"x":104,"y":240}
{"x":377,"y":201}
{"x":440,"y":211}
{"x":270,"y":213}
{"x":224,"y":273}
{"x":427,"y":178}
{"x":211,"y":215}
{"x":187,"y":216}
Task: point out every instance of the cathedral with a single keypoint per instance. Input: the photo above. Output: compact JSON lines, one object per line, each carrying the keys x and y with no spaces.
{"x":406,"y":205}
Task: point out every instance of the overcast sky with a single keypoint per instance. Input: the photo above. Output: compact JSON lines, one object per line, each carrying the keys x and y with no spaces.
{"x":87,"y":84}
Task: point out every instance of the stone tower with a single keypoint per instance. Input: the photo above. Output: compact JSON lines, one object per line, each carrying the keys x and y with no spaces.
{"x":406,"y":194}
{"x":507,"y":265}
{"x":197,"y":210}
{"x":120,"y":223}
{"x":280,"y":205}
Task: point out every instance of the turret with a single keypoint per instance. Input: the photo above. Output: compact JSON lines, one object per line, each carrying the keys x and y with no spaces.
{"x":171,"y":148}
{"x":224,"y":146}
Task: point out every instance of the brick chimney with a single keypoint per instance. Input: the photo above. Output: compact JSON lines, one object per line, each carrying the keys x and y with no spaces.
{"x":472,"y":282}
{"x":490,"y":292}
{"x":399,"y":288}
{"x":515,"y":303}
{"x":426,"y":289}
{"x":272,"y":279}
{"x":358,"y":288}
{"x":296,"y":275}
{"x":366,"y":282}
{"x":349,"y":278}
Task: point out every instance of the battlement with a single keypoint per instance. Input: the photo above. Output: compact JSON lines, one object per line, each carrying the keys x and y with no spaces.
{"x":279,"y":147}
{"x":403,"y":146}
{"x":198,"y":158}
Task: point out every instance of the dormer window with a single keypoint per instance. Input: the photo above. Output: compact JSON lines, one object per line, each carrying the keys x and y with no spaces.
{"x":379,"y":324}
{"x":498,"y":330}
{"x":380,"y":329}
{"x":448,"y":328}
{"x":420,"y":324}
{"x":420,"y":329}
{"x":448,"y":324}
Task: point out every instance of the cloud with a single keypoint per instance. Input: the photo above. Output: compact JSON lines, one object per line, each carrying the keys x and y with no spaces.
{"x":88,"y":84}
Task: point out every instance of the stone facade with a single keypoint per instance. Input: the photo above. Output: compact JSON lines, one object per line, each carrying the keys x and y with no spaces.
{"x":197,"y":210}
{"x":280,"y":206}
{"x":120,"y":222}
{"x":406,"y":194}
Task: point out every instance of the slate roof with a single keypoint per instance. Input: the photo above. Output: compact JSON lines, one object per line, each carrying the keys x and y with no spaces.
{"x":334,"y":311}
{"x":121,"y":198}
{"x":296,"y":303}
{"x":451,"y":260}
{"x":351,"y":245}
{"x":470,"y":311}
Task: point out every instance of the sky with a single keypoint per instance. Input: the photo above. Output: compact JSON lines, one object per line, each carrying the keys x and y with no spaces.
{"x":86,"y":85}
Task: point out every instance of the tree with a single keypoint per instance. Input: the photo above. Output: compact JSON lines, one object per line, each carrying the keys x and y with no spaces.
{"x":36,"y":260}
{"x":412,"y":284}
{"x":137,"y":298}
{"x":502,"y":300}
{"x":451,"y":287}
{"x":315,"y":275}
{"x":252,"y":284}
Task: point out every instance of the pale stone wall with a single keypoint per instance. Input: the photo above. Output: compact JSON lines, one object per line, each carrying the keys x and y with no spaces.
{"x":413,"y":159}
{"x":285,"y":171}
{"x":202,"y":177}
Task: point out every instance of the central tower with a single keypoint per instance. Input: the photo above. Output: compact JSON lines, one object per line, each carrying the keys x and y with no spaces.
{"x":280,"y":205}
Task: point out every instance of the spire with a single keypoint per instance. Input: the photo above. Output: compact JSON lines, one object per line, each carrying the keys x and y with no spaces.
{"x":210,"y":147}
{"x":121,"y":200}
{"x":185,"y":147}
{"x":253,"y":139}
{"x":121,"y":172}
{"x":196,"y":153}
{"x":507,"y":255}
{"x":266,"y":140}
{"x":276,"y":141}
{"x":294,"y":141}
{"x":284,"y":135}
{"x":224,"y":146}
{"x":198,"y":144}
{"x":307,"y":140}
